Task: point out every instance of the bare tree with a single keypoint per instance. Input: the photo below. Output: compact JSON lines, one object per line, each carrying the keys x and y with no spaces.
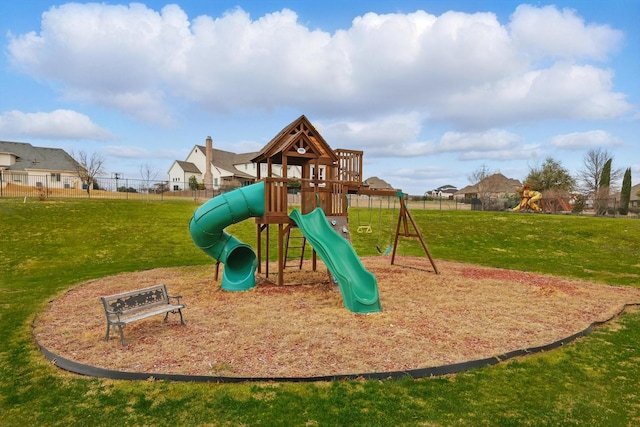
{"x":478,"y":175}
{"x":590,"y":175}
{"x":89,"y":166}
{"x":483,"y":185}
{"x":148,"y":174}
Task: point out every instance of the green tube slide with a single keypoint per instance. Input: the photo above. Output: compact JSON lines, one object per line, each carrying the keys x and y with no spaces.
{"x":359,"y":286}
{"x":207,"y":231}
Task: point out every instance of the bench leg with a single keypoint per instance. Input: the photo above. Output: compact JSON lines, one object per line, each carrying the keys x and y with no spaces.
{"x":122,"y":340}
{"x":122,"y":335}
{"x":166,"y":316}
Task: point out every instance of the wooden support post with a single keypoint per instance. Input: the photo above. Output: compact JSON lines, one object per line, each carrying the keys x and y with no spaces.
{"x":281,"y":234}
{"x":259,"y":243}
{"x":267,"y":252}
{"x":403,"y":216}
{"x":314,"y":262}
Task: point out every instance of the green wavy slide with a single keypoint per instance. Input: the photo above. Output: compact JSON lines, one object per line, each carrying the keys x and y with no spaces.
{"x":359,"y":286}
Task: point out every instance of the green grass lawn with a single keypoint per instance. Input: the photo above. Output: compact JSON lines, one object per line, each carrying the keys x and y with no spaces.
{"x":48,"y":247}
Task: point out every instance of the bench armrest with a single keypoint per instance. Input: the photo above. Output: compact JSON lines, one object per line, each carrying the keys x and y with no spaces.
{"x":116,"y":312}
{"x":176,"y":297}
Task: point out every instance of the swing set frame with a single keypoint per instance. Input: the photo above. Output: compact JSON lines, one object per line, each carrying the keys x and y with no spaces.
{"x":406,"y":226}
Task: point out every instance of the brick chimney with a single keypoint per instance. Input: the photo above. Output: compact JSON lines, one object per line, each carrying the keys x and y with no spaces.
{"x":208,"y":176}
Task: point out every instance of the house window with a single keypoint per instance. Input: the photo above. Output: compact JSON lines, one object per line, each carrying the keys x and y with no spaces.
{"x":55,"y":177}
{"x":176,"y":188}
{"x":20,"y":178}
{"x":215,"y":182}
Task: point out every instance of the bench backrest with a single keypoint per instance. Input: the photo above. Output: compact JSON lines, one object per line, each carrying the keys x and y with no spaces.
{"x":136,"y":300}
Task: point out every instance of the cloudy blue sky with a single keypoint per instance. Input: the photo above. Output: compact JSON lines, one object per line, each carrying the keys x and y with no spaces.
{"x":430,"y":90}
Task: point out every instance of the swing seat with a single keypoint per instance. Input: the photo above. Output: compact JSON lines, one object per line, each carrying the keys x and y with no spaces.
{"x":364,"y":229}
{"x":385,"y":252}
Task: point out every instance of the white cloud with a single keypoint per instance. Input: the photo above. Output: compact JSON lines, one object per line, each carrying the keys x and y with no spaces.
{"x":134,"y":152}
{"x":589,"y":139}
{"x":127,"y":152}
{"x":112,"y":56}
{"x":466,"y":69}
{"x":144,"y":105}
{"x":563,"y":91}
{"x":521,"y":153}
{"x":547,"y":31}
{"x":394,"y":135}
{"x":491,"y":140}
{"x":493,"y":144}
{"x":379,"y":131}
{"x":425,"y":173}
{"x":58,"y":124}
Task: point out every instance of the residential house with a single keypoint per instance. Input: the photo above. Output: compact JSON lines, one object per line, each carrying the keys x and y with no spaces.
{"x":23,"y":164}
{"x":496,"y":185}
{"x":635,"y":196}
{"x":225,"y":170}
{"x":376,"y":183}
{"x":444,"y":192}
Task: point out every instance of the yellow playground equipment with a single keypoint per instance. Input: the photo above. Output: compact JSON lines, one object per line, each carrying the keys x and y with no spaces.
{"x":529,"y":199}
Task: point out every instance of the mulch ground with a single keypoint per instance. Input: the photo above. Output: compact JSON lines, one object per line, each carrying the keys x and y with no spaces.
{"x":302,"y":329}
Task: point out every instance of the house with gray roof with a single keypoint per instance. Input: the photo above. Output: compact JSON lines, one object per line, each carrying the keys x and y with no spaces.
{"x":24,"y":164}
{"x":227,"y":170}
{"x":444,"y":191}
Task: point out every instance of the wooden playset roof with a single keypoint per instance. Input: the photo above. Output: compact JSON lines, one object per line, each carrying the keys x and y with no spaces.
{"x":299,"y":142}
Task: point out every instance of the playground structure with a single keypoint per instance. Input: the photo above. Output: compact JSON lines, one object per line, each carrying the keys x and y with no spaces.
{"x":550,"y":201}
{"x":328,"y":177}
{"x":529,"y":200}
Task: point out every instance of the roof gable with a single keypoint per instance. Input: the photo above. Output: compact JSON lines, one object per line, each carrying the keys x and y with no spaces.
{"x":299,"y":139}
{"x":188,"y":166}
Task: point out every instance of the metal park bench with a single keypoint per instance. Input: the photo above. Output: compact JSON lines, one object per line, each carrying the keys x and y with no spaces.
{"x":128,"y":307}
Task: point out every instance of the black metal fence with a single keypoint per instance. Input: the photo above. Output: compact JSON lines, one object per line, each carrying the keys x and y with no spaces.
{"x":612,"y":206}
{"x":66,"y":186}
{"x":43,"y":187}
{"x":22,"y":185}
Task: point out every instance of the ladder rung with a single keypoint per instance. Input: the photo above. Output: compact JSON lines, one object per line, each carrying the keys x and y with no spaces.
{"x":301,"y":244}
